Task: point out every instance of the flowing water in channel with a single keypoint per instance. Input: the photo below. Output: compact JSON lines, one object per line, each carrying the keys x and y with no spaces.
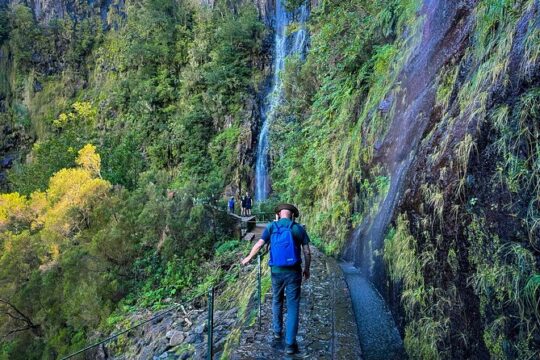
{"x":284,"y":45}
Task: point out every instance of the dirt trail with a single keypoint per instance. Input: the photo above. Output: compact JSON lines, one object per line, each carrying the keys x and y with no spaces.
{"x":327,"y":323}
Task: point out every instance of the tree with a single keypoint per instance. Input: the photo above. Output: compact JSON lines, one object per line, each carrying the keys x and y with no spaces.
{"x":23,"y":35}
{"x":89,"y":160}
{"x":24,"y":323}
{"x":13,"y":210}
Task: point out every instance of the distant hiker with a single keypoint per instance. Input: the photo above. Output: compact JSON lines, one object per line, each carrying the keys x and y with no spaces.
{"x":243,"y":204}
{"x":231,"y":205}
{"x":286,"y":238}
{"x":249,"y":204}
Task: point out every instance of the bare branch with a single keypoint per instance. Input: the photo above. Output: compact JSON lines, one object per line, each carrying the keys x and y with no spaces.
{"x":26,"y":318}
{"x":13,"y":316}
{"x":35,"y":328}
{"x":17,"y":330}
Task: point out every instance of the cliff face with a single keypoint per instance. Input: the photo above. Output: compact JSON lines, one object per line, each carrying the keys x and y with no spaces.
{"x":462,"y":199}
{"x":266,"y":8}
{"x":417,"y":160}
{"x":442,"y":39}
{"x":46,"y":11}
{"x":82,"y":26}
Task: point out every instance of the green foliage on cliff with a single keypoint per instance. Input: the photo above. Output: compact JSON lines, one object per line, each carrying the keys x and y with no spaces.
{"x":331,"y":99}
{"x":463,"y":247}
{"x":163,"y":95}
{"x":165,"y":92}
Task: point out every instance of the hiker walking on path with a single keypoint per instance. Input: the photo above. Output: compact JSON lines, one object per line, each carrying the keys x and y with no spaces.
{"x":285,"y":238}
{"x":230,"y":205}
{"x":243,"y":206}
{"x":249,"y":204}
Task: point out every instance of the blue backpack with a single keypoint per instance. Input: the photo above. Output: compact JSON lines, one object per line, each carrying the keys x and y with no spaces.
{"x":283,"y":250}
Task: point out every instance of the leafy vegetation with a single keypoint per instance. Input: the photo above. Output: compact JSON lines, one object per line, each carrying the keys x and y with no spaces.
{"x":129,"y":126}
{"x":123,"y":121}
{"x":350,"y":67}
{"x":459,"y":271}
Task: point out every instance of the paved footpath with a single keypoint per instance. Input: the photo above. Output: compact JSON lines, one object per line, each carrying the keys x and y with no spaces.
{"x":327,"y":323}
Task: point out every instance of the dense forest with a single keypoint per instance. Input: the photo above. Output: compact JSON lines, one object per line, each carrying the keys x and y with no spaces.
{"x":117,"y":124}
{"x":408,"y":135}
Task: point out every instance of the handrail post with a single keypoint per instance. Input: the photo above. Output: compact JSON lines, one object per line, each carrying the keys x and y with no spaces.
{"x":259,"y":287}
{"x":210,"y":352}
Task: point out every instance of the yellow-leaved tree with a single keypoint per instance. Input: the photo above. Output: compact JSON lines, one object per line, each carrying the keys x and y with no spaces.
{"x":82,"y":112}
{"x":89,"y":159}
{"x":39,"y":231}
{"x":13,"y":209}
{"x":71,"y":196}
{"x":63,"y":210}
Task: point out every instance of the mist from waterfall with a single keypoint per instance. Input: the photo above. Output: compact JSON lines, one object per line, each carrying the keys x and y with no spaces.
{"x":284,"y":45}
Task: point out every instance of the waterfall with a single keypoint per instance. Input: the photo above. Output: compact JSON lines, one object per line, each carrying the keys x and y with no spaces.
{"x":284,"y":45}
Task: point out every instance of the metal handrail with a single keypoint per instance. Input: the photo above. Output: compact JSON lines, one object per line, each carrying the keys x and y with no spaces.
{"x":259,"y":289}
{"x":210,"y":342}
{"x":211,"y":294}
{"x":114,"y":336}
{"x":264,"y":216}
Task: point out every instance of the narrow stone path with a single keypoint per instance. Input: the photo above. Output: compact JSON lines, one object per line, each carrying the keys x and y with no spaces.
{"x":327,"y":323}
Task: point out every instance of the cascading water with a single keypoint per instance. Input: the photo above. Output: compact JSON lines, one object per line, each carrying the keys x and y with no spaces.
{"x":284,"y":45}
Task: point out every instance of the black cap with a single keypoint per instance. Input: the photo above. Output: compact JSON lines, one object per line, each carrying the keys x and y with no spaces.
{"x":289,"y":207}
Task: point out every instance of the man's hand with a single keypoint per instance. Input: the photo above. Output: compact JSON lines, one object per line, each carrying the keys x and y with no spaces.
{"x":253,"y":252}
{"x":307,"y":260}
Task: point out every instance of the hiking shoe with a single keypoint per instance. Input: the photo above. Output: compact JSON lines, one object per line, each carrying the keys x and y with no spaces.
{"x":277,"y":336}
{"x":291,"y":349}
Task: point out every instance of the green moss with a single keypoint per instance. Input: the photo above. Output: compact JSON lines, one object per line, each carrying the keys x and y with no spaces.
{"x":423,"y":337}
{"x":503,"y":272}
{"x":401,"y":256}
{"x":427,"y":325}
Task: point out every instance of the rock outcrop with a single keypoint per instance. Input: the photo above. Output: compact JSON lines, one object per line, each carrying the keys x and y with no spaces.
{"x":454,"y":191}
{"x":180,"y":334}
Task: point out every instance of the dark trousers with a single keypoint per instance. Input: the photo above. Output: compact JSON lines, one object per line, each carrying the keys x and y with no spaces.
{"x":286,"y":284}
